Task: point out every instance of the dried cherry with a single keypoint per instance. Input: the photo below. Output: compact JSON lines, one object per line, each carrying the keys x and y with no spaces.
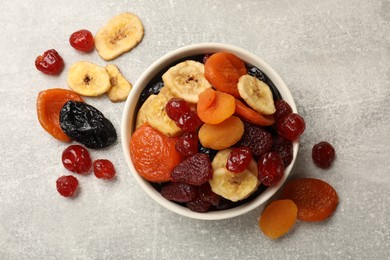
{"x":282,"y":109}
{"x":284,"y":148}
{"x":76,"y":159}
{"x":176,"y":107}
{"x":271,"y":169}
{"x":291,"y":126}
{"x":239,"y":159}
{"x":194,"y":170}
{"x":180,"y":192}
{"x":189,"y":121}
{"x":87,"y":125}
{"x":187,"y":144}
{"x":103,"y":169}
{"x":67,"y":185}
{"x":82,"y":40}
{"x":50,"y":62}
{"x":323,"y":154}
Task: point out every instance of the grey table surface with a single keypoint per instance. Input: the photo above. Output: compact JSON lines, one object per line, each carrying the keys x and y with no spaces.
{"x":333,"y":55}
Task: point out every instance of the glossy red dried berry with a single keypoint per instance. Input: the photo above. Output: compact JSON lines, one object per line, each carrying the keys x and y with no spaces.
{"x":323,"y":154}
{"x":271,"y":169}
{"x":179,"y":192}
{"x":177,"y":107}
{"x":206,"y":194}
{"x":282,"y":109}
{"x":291,"y":126}
{"x":238,"y":159}
{"x":76,"y":159}
{"x":50,"y":62}
{"x":187,"y":144}
{"x":194,"y":170}
{"x":258,"y":140}
{"x":284,"y":148}
{"x":67,"y":185}
{"x":82,"y":40}
{"x":103,"y":169}
{"x":189,"y":121}
{"x":198,"y":205}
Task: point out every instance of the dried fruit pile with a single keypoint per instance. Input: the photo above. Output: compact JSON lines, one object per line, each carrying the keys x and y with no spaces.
{"x":213,"y":132}
{"x":65,"y":115}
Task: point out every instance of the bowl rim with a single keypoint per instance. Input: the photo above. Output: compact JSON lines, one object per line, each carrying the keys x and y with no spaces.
{"x":127,"y":125}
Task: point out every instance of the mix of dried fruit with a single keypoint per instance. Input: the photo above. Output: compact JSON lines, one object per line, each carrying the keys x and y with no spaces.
{"x":65,"y":115}
{"x":213,"y":124}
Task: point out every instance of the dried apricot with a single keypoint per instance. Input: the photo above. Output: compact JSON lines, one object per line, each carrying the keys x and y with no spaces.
{"x":316,"y":200}
{"x":223,"y":70}
{"x":49,"y":104}
{"x":154,"y":155}
{"x":252,"y":116}
{"x":278,"y":218}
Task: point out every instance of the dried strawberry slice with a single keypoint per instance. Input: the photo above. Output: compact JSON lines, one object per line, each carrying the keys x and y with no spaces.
{"x":194,"y":170}
{"x":179,"y":192}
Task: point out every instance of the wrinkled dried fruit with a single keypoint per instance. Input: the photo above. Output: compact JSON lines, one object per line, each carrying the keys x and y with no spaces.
{"x":187,"y":144}
{"x":151,"y":89}
{"x":271,"y":169}
{"x":87,"y":125}
{"x":291,"y":126}
{"x":189,"y":121}
{"x":179,"y":192}
{"x":76,"y":159}
{"x":278,"y":218}
{"x":323,"y":154}
{"x":239,"y":159}
{"x":198,"y":205}
{"x":176,"y":107}
{"x":206,"y":194}
{"x":284,"y":148}
{"x":103,"y":169}
{"x":256,"y":138}
{"x":50,"y":62}
{"x":282,"y":109}
{"x":194,"y":170}
{"x":82,"y":40}
{"x":316,"y":200}
{"x":67,"y":185}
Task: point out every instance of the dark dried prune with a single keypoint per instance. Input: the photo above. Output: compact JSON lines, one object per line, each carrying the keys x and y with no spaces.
{"x":210,"y":152}
{"x":86,"y":125}
{"x":179,"y":192}
{"x":198,"y":205}
{"x":194,"y":170}
{"x":256,"y":138}
{"x":151,"y":89}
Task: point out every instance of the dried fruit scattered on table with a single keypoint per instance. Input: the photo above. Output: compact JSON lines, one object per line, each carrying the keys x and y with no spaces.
{"x":82,"y":40}
{"x":187,"y":144}
{"x":103,"y":169}
{"x":186,"y":80}
{"x":284,"y":148}
{"x":50,"y":62}
{"x":271,"y":169}
{"x":49,"y":104}
{"x":291,"y":126}
{"x":256,"y":138}
{"x":239,"y":159}
{"x":316,"y":200}
{"x":120,"y":86}
{"x":67,"y":185}
{"x":282,"y":109}
{"x":121,"y":34}
{"x":76,"y":158}
{"x":256,"y":94}
{"x":323,"y":154}
{"x":88,"y":79}
{"x":223,"y":70}
{"x":87,"y":125}
{"x":278,"y":218}
{"x":153,"y":154}
{"x":195,"y":170}
{"x":180,"y":192}
{"x":222,"y":135}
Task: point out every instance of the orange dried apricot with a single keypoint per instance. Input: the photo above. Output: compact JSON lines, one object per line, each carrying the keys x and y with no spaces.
{"x":222,"y":135}
{"x":214,"y":106}
{"x":154,"y":154}
{"x":316,"y":200}
{"x":252,"y":116}
{"x":278,"y":218}
{"x":223,"y":70}
{"x":49,"y":104}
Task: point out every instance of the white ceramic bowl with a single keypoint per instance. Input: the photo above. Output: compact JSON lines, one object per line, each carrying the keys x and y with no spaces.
{"x":129,"y":114}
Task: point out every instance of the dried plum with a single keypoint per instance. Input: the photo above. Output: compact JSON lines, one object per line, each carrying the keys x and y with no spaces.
{"x":151,"y":89}
{"x":86,"y":125}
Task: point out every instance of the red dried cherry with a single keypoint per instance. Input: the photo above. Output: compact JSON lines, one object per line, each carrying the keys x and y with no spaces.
{"x":284,"y":148}
{"x":103,"y":169}
{"x":189,"y":121}
{"x":291,"y":126}
{"x":67,"y":185}
{"x":282,"y":109}
{"x":176,"y":107}
{"x":323,"y":154}
{"x":76,"y":159}
{"x":50,"y":62}
{"x":82,"y":40}
{"x":187,"y":144}
{"x":238,"y":159}
{"x":271,"y":169}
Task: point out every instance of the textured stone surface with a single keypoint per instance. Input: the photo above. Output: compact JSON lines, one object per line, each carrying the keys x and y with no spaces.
{"x":335,"y":57}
